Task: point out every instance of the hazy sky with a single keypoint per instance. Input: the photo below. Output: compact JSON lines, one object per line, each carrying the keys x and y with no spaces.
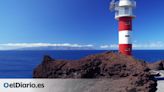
{"x":78,"y":22}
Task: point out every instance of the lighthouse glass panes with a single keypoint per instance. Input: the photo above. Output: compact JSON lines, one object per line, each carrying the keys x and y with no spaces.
{"x":124,"y":11}
{"x":128,"y":11}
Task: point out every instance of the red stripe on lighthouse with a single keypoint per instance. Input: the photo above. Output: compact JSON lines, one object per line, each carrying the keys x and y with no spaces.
{"x":125,"y":49}
{"x":125,"y":23}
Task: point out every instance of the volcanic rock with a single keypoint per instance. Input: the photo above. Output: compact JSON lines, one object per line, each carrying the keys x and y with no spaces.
{"x":126,"y":73}
{"x":157,"y":65}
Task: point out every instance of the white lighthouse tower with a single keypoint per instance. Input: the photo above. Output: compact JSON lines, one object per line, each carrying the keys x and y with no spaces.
{"x":124,"y":14}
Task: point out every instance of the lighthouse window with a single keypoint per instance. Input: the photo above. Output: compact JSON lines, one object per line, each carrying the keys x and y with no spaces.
{"x":128,"y":22}
{"x":121,"y":10}
{"x":126,"y":10}
{"x":127,"y":35}
{"x":127,"y":49}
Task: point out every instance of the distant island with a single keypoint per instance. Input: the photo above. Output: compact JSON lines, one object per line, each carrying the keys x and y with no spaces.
{"x":56,"y":48}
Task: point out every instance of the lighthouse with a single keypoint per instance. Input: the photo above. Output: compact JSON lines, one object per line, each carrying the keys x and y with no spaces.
{"x":124,"y":14}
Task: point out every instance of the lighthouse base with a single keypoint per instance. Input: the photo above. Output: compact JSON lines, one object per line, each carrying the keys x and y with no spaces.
{"x":125,"y":49}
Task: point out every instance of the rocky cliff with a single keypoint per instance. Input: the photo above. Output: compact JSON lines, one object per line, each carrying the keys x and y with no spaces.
{"x":126,"y":73}
{"x":157,"y":65}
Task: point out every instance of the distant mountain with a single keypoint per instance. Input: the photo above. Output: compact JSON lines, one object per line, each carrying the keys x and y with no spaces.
{"x":56,"y":48}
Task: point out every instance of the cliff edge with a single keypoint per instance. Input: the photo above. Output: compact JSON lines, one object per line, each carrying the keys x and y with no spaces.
{"x":126,"y":74}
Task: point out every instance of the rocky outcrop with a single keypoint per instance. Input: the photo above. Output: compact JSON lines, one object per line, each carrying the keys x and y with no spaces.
{"x":126,"y":73}
{"x":157,"y":65}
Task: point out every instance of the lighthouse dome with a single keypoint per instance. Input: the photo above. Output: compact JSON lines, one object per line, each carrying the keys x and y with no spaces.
{"x":130,"y":3}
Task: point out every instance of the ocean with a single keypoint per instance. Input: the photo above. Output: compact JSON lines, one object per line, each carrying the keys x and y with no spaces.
{"x":20,"y":64}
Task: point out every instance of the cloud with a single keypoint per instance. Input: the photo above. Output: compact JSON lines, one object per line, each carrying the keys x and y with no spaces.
{"x":112,"y":46}
{"x":150,"y":45}
{"x":136,"y":45}
{"x":26,"y":45}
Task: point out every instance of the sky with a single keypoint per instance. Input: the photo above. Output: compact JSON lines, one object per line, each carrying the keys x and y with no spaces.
{"x":76,"y":23}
